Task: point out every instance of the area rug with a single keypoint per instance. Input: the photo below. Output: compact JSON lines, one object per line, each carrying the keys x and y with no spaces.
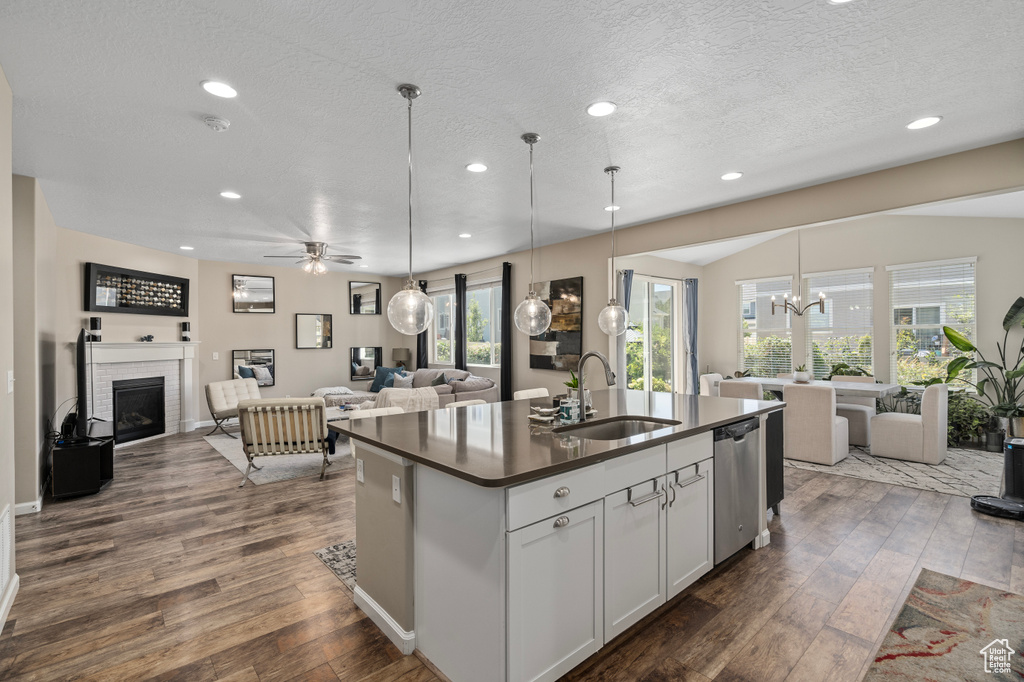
{"x":964,"y":472}
{"x":341,"y":559}
{"x":953,"y":629}
{"x":283,"y":468}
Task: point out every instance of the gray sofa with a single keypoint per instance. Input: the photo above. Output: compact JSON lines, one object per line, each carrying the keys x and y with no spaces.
{"x":464,"y":387}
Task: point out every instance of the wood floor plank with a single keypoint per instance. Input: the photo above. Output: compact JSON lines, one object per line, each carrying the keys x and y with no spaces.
{"x":833,"y":656}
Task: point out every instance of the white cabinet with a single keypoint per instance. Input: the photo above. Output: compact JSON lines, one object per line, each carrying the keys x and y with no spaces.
{"x":634,"y":555}
{"x":690,"y":524}
{"x":555,"y":590}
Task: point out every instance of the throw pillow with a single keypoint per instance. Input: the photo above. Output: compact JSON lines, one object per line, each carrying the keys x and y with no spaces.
{"x":472,"y":384}
{"x":262,"y":374}
{"x":380,"y":376}
{"x":246,"y":372}
{"x":394,"y":376}
{"x":270,"y":368}
{"x":445,"y":389}
{"x":403,"y":381}
{"x":440,"y":380}
{"x":355,"y":368}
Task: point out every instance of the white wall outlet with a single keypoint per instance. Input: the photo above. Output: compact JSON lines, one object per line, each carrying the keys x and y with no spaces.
{"x":396,"y":489}
{"x":10,"y":381}
{"x":216,"y":355}
{"x":359,"y":471}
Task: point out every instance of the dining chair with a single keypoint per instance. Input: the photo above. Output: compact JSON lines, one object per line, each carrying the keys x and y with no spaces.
{"x":374,"y":412}
{"x":812,"y":430}
{"x":466,"y":403}
{"x":530,"y":393}
{"x":709,"y":383}
{"x":750,"y":390}
{"x":858,"y":411}
{"x":914,"y":437}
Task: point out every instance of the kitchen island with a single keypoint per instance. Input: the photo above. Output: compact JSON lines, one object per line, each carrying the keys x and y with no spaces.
{"x":507,"y":550}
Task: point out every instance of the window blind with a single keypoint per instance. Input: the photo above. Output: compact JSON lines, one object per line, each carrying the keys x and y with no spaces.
{"x":765,"y":340}
{"x":843,"y":333}
{"x":923,"y":299}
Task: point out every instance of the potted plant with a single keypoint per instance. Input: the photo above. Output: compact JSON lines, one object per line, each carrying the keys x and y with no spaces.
{"x":801,"y":375}
{"x":573,"y":384}
{"x":1002,"y":384}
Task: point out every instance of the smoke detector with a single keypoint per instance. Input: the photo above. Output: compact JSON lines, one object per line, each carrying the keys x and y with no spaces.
{"x":217,"y":125}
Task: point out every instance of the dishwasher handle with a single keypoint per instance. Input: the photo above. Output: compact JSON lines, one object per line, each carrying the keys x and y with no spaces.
{"x":738,"y":430}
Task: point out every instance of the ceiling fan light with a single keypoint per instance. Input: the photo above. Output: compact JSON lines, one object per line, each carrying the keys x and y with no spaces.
{"x":410,"y":311}
{"x":308,"y":266}
{"x":532,"y":316}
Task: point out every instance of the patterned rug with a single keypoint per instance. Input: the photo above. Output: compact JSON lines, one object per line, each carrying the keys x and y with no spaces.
{"x":341,"y":559}
{"x":283,"y":468}
{"x":964,"y":472}
{"x":953,"y":629}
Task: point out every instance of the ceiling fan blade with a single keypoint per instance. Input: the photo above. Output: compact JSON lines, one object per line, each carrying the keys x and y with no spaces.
{"x":301,"y":260}
{"x":292,"y":256}
{"x":341,"y":257}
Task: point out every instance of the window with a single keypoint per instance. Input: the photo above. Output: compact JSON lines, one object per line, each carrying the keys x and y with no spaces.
{"x":843,"y":333}
{"x":651,"y":337}
{"x":444,"y":323}
{"x":483,"y":324}
{"x":765,"y":340}
{"x":923,"y":298}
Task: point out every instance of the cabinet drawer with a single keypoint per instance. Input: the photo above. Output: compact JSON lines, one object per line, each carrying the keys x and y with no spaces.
{"x":628,"y":470}
{"x":689,"y":451}
{"x":554,"y":495}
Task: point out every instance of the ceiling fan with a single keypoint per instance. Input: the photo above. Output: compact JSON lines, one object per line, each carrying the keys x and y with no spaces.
{"x":315,"y":256}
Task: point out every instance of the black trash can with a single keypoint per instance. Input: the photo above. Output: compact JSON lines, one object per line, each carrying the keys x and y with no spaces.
{"x":1013,"y":470}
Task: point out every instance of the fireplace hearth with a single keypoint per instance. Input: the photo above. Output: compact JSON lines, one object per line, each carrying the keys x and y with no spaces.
{"x":138,"y":408}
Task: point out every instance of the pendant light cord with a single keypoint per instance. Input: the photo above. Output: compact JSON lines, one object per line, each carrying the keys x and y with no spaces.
{"x":615,"y":275}
{"x":531,"y":218}
{"x":410,"y":189}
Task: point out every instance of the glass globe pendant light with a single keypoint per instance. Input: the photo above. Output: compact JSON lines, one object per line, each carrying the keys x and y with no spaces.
{"x":532,"y":316}
{"x":613,"y":319}
{"x":410,"y":311}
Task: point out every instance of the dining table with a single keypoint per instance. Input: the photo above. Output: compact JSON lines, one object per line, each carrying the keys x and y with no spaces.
{"x":852,"y":389}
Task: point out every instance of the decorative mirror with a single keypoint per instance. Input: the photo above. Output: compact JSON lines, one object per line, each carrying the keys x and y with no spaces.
{"x":254,"y":364}
{"x":365,"y":297}
{"x":365,"y":361}
{"x":252,"y":294}
{"x":312,"y":331}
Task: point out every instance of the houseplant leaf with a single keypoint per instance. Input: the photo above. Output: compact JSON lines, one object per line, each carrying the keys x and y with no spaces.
{"x":955,"y":366}
{"x":959,"y":341}
{"x":1015,"y":315}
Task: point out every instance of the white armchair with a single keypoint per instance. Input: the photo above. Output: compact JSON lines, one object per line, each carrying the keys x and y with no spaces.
{"x":813,"y":432}
{"x":222,"y":397}
{"x":709,"y":383}
{"x":916,"y":438}
{"x":858,"y":411}
{"x":750,"y":390}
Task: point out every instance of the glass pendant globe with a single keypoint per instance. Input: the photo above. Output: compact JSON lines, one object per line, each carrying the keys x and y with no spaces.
{"x":613,"y":319}
{"x":533,"y":316}
{"x":410,"y":311}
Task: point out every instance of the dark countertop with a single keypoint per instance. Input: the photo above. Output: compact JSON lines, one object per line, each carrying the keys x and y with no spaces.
{"x":496,"y":445}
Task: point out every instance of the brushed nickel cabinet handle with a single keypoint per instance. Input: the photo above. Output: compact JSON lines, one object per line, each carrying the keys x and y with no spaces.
{"x":562,"y":492}
{"x":561,"y":522}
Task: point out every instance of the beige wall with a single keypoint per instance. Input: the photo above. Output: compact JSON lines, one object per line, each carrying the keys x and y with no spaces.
{"x":74,"y":249}
{"x":297,"y":372}
{"x":6,"y":336}
{"x":876,"y":242}
{"x":34,"y":347}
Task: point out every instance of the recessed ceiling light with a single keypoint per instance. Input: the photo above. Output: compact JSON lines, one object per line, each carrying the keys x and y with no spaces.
{"x":734,"y":175}
{"x":601,"y":108}
{"x":613,"y":207}
{"x":231,"y":195}
{"x":926,"y":122}
{"x":476,"y":168}
{"x":838,"y":2}
{"x":363,"y":265}
{"x":465,"y":235}
{"x":219,"y":89}
{"x":186,"y":248}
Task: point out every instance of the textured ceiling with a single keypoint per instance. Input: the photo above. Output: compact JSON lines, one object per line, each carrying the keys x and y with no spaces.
{"x":108,"y":112}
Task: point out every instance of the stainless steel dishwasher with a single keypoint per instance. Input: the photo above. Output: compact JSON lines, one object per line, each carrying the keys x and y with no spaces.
{"x":737,"y":451}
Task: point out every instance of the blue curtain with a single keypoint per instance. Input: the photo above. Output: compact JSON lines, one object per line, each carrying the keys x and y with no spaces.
{"x":506,"y":331}
{"x":460,"y":351}
{"x":421,"y":339}
{"x":627,"y":287}
{"x":625,"y":278}
{"x":690,"y":297}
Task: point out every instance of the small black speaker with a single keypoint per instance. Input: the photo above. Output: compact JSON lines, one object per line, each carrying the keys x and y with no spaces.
{"x":95,"y":329}
{"x":186,"y":331}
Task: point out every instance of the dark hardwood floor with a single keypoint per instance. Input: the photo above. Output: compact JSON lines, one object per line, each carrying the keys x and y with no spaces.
{"x":173,"y":573}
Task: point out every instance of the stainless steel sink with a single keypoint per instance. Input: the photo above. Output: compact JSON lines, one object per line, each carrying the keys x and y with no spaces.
{"x":616,"y":428}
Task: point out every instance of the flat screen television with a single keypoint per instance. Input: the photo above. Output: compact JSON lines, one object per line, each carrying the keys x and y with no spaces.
{"x":82,"y":423}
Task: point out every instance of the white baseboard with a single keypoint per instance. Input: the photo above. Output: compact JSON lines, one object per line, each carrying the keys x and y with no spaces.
{"x":405,"y":641}
{"x":762,"y":540}
{"x":211,"y":423}
{"x":33,"y":507}
{"x":8,"y":599}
